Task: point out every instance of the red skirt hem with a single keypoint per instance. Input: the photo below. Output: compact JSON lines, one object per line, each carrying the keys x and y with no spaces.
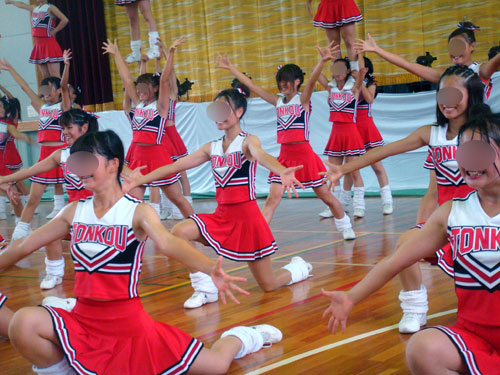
{"x":46,"y":50}
{"x":336,"y":13}
{"x":178,"y":146}
{"x":54,"y":176}
{"x":344,"y":140}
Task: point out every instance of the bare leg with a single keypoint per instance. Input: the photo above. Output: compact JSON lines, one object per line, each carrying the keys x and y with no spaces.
{"x":218,"y":358}
{"x":54,"y":69}
{"x":326,"y":196}
{"x":272,"y":201}
{"x":173,"y":192}
{"x":21,"y":185}
{"x":186,"y":186}
{"x":189,"y":231}
{"x":348,"y":33}
{"x":422,"y":359}
{"x":54,"y":250}
{"x":381,"y":174}
{"x":36,"y":193}
{"x":268,"y":279}
{"x":154,"y":195}
{"x":6,"y":315}
{"x":334,"y":35}
{"x":411,"y":277}
{"x":58,"y":189}
{"x":133,"y":17}
{"x":31,"y":332}
{"x":145,"y":8}
{"x":356,"y":176}
{"x":44,"y":70}
{"x":138,"y":192}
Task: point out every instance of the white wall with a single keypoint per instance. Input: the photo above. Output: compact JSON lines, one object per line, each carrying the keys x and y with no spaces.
{"x":16,"y":45}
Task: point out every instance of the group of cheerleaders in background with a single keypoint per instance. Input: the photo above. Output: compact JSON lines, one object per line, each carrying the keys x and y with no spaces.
{"x":65,"y":336}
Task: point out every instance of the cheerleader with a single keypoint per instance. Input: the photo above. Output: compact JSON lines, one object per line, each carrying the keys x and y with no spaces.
{"x":108,"y":309}
{"x":148,"y":120}
{"x":445,"y":182}
{"x":338,"y":18}
{"x":461,"y":45}
{"x":70,"y":93}
{"x":293,"y":110}
{"x":345,"y":142}
{"x":236,"y":230}
{"x":371,"y":138}
{"x":46,"y":51}
{"x":74,"y":123}
{"x":50,"y":138}
{"x":132,"y":8}
{"x":471,"y":345}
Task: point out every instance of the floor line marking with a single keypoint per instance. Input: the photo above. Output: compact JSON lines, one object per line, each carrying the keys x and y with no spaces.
{"x":337,"y":344}
{"x":188,"y":282}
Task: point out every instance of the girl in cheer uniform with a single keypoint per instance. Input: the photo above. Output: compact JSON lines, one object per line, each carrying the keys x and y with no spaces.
{"x":108,"y":330}
{"x":471,"y":225}
{"x":293,"y":110}
{"x":236,"y":230}
{"x":46,"y":52}
{"x":148,"y":120}
{"x":462,"y":88}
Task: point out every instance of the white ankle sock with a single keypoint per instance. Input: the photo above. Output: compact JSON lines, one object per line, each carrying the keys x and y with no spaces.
{"x":251,"y":340}
{"x":135,"y":46}
{"x":201,"y":282}
{"x":343,"y":223}
{"x":58,"y":202}
{"x":414,"y":301}
{"x":60,"y":368}
{"x":359,"y":198}
{"x":153,"y":38}
{"x":385,"y":194}
{"x":54,"y":267}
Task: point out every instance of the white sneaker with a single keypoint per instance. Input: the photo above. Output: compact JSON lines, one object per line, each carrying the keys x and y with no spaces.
{"x":132,"y":58}
{"x":175,"y":216}
{"x":411,"y":322}
{"x":164,"y":214}
{"x":199,"y":299}
{"x":326,"y":213}
{"x":359,"y":212}
{"x":387,"y":209}
{"x":271,"y":335}
{"x":153,"y":53}
{"x":348,"y":234}
{"x":19,"y":233}
{"x":62,"y":303}
{"x":50,"y":281}
{"x":52,"y":214}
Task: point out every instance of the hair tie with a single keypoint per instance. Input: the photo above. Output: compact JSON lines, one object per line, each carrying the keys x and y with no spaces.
{"x":240,"y":91}
{"x":6,"y":98}
{"x":157,"y":74}
{"x":91,"y":114}
{"x":467,"y":25}
{"x":278,"y":69}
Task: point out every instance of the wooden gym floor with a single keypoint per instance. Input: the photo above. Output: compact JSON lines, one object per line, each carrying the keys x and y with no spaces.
{"x":371,"y":344}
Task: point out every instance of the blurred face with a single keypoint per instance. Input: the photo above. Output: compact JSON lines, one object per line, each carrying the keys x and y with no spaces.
{"x":50,"y":94}
{"x":102,"y":176}
{"x":450,"y":110}
{"x":2,"y":110}
{"x":72,"y":132}
{"x":339,"y":71}
{"x":478,"y":179}
{"x":288,"y":88}
{"x":146,"y":92}
{"x":460,"y":51}
{"x":232,"y":119}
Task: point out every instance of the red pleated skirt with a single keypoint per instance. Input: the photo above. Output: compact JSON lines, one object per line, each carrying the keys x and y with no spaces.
{"x":237,"y":231}
{"x":294,"y":154}
{"x":45,"y":50}
{"x":344,"y":140}
{"x":336,"y":13}
{"x":54,"y":176}
{"x":119,"y":337}
{"x":179,"y":148}
{"x":11,"y":157}
{"x":368,"y":131}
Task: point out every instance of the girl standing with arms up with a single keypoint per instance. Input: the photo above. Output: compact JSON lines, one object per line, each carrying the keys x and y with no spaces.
{"x":293,"y":109}
{"x":46,"y":52}
{"x":108,"y":330}
{"x":471,"y":345}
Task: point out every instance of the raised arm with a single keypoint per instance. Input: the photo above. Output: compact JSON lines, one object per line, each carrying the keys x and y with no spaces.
{"x":164,"y":95}
{"x":63,"y":20}
{"x":423,"y":244}
{"x":308,"y":8}
{"x":190,"y":161}
{"x":6,"y":92}
{"x":424,"y":72}
{"x":325,"y":55}
{"x":42,"y":166}
{"x":112,"y":48}
{"x":224,"y":63}
{"x":487,"y":69}
{"x":417,"y":139}
{"x":18,"y":135}
{"x":252,"y":148}
{"x":66,"y":99}
{"x":20,"y":5}
{"x":36,"y":102}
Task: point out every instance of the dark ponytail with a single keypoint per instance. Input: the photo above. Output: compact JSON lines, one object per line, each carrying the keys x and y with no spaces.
{"x":236,"y":97}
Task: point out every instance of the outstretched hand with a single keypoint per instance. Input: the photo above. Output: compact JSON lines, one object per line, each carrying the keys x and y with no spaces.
{"x":289,"y":181}
{"x":223,"y":62}
{"x":4,"y":64}
{"x":369,"y":45}
{"x":130,"y":180}
{"x":177,"y":43}
{"x":110,"y":47}
{"x":340,"y":306}
{"x":329,"y":52}
{"x":12,"y":193}
{"x":333,"y":174}
{"x":67,"y":56}
{"x":225,"y":283}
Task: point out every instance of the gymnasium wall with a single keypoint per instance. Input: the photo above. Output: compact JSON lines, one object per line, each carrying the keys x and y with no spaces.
{"x":260,"y":35}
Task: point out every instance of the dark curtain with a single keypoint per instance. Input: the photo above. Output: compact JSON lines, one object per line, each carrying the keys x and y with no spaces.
{"x":84,"y":35}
